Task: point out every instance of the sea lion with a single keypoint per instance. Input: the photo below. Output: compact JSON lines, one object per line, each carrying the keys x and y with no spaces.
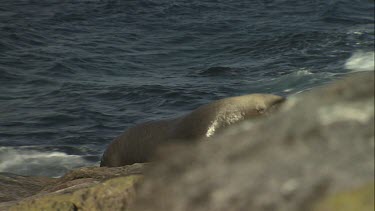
{"x":138,"y":143}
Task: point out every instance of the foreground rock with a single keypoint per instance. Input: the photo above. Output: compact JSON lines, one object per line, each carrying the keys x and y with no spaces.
{"x":89,"y":188}
{"x":15,"y":187}
{"x":114,"y":194}
{"x":317,"y":154}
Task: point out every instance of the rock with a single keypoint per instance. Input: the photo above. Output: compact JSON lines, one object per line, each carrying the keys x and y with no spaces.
{"x":87,"y":175}
{"x":319,"y":145}
{"x":114,"y":194}
{"x":361,"y":198}
{"x":88,"y":188}
{"x":15,"y":187}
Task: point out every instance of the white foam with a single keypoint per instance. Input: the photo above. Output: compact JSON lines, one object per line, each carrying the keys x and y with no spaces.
{"x":361,"y":61}
{"x":288,"y":90}
{"x":303,"y":71}
{"x":33,"y":162}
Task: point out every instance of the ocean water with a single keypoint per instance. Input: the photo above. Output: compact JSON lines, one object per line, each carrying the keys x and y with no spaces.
{"x":75,"y":74}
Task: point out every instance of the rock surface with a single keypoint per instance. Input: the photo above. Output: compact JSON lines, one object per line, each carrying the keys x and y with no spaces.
{"x":88,"y":188}
{"x":318,"y":149}
{"x":361,"y":198}
{"x":15,"y":187}
{"x":113,"y":194}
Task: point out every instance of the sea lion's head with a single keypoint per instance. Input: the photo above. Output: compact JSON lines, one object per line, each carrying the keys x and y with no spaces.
{"x":215,"y":116}
{"x":265,"y":103}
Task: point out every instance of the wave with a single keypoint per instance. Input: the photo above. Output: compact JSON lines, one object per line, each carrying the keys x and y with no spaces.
{"x":25,"y":161}
{"x":303,"y":72}
{"x":361,"y":61}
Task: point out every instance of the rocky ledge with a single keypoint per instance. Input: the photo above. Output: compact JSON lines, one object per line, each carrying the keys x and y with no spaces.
{"x":316,"y":153}
{"x":88,"y":188}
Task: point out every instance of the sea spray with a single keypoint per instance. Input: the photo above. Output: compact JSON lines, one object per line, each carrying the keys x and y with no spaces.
{"x":361,"y":61}
{"x":34,"y":162}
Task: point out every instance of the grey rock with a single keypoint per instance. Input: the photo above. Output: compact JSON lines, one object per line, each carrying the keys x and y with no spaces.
{"x":319,"y":143}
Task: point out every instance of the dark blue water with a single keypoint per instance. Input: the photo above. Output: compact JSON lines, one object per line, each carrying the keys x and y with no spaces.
{"x":75,"y":74}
